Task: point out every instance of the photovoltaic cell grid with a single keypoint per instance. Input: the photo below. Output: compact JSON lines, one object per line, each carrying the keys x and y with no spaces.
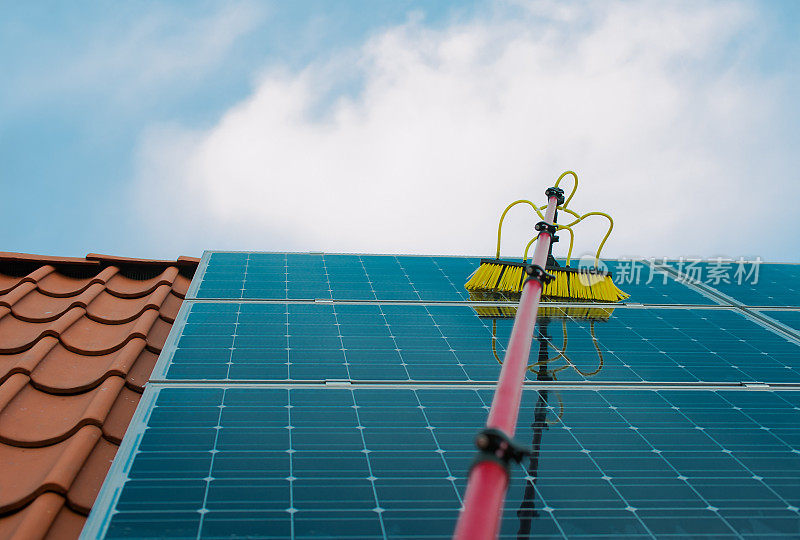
{"x":789,"y":318}
{"x":378,"y":463}
{"x":378,"y":342}
{"x":301,"y":276}
{"x":249,"y":461}
{"x":757,"y":284}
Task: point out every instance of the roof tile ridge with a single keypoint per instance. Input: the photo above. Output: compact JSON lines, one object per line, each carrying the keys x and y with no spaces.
{"x":30,"y":359}
{"x":13,"y":256}
{"x":39,"y":516}
{"x":167,"y":277}
{"x":60,"y":325}
{"x":17,"y":293}
{"x":180,"y":261}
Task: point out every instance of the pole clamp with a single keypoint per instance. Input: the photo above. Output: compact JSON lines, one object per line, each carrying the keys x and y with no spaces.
{"x":544,"y":226}
{"x":556,"y":192}
{"x":534,"y":271}
{"x":494,"y":445}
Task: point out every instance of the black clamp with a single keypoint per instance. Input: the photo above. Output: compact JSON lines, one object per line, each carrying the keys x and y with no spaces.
{"x":556,"y":192}
{"x":544,"y":226}
{"x":534,"y":271}
{"x":494,"y":445}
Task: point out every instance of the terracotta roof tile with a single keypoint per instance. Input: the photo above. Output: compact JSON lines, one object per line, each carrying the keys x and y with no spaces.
{"x":34,"y":520}
{"x":68,"y":524}
{"x":87,"y":484}
{"x":169,"y":309}
{"x":57,"y":284}
{"x":126,"y":287}
{"x":139,"y":373}
{"x":62,"y":371}
{"x":110,"y":309}
{"x":35,"y":418}
{"x":78,"y":341}
{"x":32,"y":471}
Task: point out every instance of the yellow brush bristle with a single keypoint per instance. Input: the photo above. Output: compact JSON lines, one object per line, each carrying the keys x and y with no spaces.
{"x":499,"y":277}
{"x":583,"y":286}
{"x":497,"y":312}
{"x":495,"y":277}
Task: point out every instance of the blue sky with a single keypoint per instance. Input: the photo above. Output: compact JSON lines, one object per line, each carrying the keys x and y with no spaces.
{"x":163,"y":129}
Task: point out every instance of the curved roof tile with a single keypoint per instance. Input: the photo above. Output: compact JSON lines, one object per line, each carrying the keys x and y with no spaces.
{"x":18,"y":335}
{"x":34,"y":418}
{"x":62,"y":371}
{"x":78,"y":341}
{"x":86,"y":336}
{"x":111,"y":309}
{"x":26,"y":361}
{"x":32,"y":471}
{"x":38,"y":307}
{"x":33,"y":521}
{"x":57,"y":284}
{"x":126,"y":287}
{"x":143,"y":366}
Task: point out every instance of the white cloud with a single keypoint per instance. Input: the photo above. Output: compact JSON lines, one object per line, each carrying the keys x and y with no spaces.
{"x":653,"y":104}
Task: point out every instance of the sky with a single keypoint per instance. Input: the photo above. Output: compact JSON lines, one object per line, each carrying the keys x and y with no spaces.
{"x":164,"y":129}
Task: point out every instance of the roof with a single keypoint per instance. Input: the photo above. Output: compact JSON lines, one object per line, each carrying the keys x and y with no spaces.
{"x":78,"y":340}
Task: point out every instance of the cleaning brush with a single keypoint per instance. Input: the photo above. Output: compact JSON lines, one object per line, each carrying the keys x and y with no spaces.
{"x":591,"y":284}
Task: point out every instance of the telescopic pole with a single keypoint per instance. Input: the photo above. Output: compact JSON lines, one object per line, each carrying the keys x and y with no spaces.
{"x":488,"y":477}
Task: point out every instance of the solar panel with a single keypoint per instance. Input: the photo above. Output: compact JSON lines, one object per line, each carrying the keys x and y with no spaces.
{"x":272,"y":415}
{"x":789,"y":318}
{"x":302,"y":276}
{"x":384,"y":342}
{"x":751,"y":283}
{"x":391,"y":463}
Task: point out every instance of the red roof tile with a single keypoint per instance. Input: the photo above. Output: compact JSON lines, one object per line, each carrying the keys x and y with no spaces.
{"x":78,"y":341}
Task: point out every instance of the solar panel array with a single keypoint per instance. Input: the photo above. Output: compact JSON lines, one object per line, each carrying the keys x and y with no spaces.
{"x":318,"y":395}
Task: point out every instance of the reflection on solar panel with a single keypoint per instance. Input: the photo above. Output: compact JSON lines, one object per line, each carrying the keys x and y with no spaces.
{"x":272,"y":416}
{"x":378,"y":342}
{"x":789,"y":318}
{"x":299,"y":276}
{"x":755,"y":284}
{"x":296,"y":463}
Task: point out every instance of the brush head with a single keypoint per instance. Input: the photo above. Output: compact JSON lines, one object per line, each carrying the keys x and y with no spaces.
{"x":498,"y":276}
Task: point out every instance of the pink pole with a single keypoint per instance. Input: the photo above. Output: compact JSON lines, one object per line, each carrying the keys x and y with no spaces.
{"x":488,"y":481}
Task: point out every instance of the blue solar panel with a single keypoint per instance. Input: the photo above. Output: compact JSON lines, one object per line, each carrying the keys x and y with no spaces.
{"x":391,"y":463}
{"x":380,"y":342}
{"x":789,"y":318}
{"x":245,"y":430}
{"x":298,"y":276}
{"x":751,"y":283}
